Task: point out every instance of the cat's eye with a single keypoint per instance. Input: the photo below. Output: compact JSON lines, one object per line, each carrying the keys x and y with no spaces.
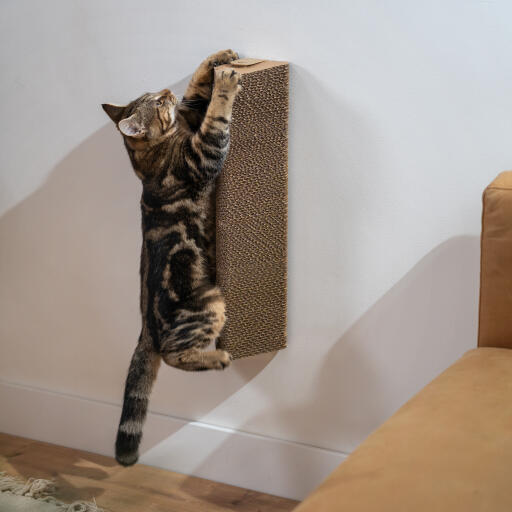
{"x":159,"y":102}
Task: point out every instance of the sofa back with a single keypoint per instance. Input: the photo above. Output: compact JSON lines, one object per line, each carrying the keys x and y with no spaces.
{"x":495,"y":319}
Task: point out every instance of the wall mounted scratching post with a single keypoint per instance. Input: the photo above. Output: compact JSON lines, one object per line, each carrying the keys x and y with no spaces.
{"x":251,"y":212}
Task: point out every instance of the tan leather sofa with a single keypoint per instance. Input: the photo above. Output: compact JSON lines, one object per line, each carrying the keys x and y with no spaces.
{"x":450,"y":447}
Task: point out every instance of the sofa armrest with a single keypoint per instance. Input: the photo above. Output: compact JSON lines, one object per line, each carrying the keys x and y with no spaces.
{"x":495,"y":319}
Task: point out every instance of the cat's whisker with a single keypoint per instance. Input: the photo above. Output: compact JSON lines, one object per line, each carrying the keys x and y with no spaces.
{"x":190,"y":103}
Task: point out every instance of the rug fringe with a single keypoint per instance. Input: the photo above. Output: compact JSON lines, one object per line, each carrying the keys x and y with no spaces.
{"x":42,"y":490}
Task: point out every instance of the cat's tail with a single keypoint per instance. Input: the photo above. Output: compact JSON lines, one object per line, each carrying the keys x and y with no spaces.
{"x":139,"y":382}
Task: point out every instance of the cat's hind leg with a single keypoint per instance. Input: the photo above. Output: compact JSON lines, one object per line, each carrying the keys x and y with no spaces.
{"x":194,"y":360}
{"x":196,"y":327}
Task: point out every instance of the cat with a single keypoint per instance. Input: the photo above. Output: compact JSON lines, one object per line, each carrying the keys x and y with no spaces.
{"x":177,"y":149}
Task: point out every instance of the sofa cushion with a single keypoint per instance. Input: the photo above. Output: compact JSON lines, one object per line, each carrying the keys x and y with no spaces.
{"x":495,"y":324}
{"x":448,"y":449}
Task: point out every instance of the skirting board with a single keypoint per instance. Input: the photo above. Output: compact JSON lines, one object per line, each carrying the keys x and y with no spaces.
{"x":261,"y":463}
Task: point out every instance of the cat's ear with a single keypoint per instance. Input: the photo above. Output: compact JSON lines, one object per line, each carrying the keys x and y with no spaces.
{"x":131,"y":128}
{"x":115,"y":112}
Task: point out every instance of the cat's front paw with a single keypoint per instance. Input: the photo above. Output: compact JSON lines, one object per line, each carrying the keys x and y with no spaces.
{"x":221,"y":57}
{"x":227,"y":81}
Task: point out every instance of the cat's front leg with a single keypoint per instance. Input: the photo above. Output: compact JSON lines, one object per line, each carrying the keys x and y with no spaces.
{"x":199,"y":91}
{"x":209,"y":145}
{"x":200,"y":87}
{"x":225,"y":89}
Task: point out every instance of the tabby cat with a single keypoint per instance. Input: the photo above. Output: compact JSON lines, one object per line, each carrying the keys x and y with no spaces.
{"x":177,"y":149}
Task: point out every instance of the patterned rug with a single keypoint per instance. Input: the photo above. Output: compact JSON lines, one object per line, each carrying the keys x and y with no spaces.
{"x":35,"y":495}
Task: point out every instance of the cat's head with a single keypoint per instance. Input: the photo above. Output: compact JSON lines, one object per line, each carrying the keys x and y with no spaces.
{"x":147,"y":118}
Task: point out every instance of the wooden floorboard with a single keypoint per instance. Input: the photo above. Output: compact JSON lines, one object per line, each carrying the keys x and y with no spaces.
{"x":82,"y":475}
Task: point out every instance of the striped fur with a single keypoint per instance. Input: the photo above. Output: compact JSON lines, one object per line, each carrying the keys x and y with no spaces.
{"x":177,"y":149}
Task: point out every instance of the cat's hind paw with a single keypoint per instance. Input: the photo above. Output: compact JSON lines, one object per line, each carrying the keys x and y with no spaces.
{"x":221,"y":360}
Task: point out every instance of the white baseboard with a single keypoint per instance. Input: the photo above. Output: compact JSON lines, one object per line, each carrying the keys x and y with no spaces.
{"x":261,"y":463}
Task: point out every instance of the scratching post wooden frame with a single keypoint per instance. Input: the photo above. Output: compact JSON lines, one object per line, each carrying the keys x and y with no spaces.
{"x":251,"y":212}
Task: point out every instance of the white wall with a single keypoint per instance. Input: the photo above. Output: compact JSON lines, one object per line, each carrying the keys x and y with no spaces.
{"x":401,"y":113}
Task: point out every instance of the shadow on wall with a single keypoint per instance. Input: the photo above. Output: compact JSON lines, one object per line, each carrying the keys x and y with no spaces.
{"x":69,"y":306}
{"x":426,"y":319}
{"x":431,"y":310}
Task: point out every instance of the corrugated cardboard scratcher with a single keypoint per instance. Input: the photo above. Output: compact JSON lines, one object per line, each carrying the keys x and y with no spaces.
{"x":251,"y":212}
